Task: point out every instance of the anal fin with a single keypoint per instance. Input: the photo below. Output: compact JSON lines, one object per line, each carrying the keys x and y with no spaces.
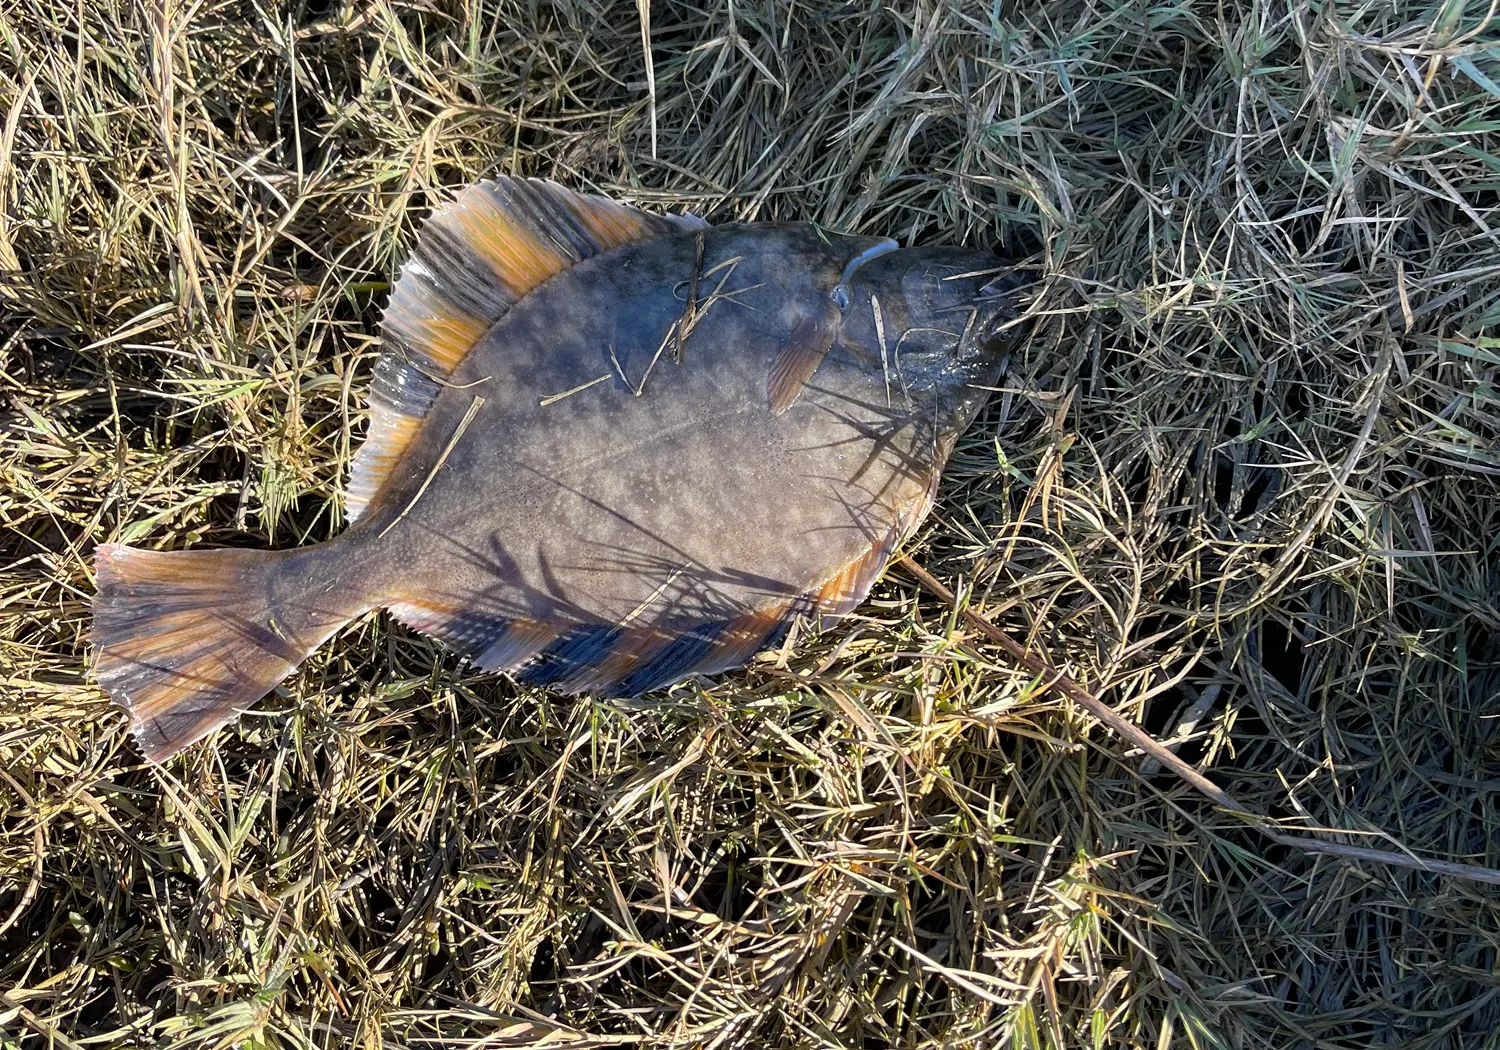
{"x":495,"y":642}
{"x":846,"y":589}
{"x":465,"y":630}
{"x":521,"y":640}
{"x":628,"y":660}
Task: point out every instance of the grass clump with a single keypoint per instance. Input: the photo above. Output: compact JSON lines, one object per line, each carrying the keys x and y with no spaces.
{"x":1242,"y":481}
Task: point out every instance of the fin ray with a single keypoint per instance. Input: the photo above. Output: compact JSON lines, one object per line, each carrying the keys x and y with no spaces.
{"x":463,"y":630}
{"x":184,"y":640}
{"x":520,"y":642}
{"x":628,"y":661}
{"x":799,"y":357}
{"x":493,"y":642}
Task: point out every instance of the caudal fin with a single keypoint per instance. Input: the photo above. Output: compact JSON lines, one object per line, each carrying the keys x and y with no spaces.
{"x":185,"y":640}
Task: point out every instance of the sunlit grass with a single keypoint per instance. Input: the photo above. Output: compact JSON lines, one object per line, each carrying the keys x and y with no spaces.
{"x":1241,"y":480}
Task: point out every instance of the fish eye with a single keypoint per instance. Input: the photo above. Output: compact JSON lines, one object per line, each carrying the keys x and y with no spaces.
{"x":841,"y":296}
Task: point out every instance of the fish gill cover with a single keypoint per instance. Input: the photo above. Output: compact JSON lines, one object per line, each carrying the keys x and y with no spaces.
{"x":1240,"y":480}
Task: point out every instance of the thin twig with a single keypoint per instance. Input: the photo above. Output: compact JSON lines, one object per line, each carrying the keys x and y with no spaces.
{"x":1056,"y":680}
{"x":552,"y":399}
{"x":463,"y":425}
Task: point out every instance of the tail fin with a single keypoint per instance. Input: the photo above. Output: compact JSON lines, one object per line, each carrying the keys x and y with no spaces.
{"x":184,"y":640}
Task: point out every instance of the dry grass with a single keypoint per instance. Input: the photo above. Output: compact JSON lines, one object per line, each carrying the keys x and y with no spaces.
{"x":1244,"y":475}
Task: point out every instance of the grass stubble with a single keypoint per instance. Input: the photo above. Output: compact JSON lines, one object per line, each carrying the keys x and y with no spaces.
{"x":1241,"y":482}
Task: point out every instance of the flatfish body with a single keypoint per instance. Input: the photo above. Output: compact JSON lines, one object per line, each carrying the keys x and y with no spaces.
{"x":608,"y":450}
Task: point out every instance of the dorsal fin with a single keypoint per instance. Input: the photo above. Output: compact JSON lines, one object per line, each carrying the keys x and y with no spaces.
{"x":494,"y":244}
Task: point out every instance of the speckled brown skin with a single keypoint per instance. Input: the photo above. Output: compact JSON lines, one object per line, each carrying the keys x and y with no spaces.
{"x":676,"y":496}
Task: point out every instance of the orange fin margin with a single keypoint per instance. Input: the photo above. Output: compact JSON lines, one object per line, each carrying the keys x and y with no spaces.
{"x":474,"y":259}
{"x":846,"y":589}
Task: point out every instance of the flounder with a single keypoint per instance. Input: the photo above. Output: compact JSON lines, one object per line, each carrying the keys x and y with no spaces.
{"x":607,"y":450}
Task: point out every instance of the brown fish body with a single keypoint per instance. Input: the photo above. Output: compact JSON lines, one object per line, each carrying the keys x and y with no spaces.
{"x":646,"y":467}
{"x":580,"y":509}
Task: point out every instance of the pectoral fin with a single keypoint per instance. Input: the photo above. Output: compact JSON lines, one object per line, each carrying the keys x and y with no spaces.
{"x":800,"y":356}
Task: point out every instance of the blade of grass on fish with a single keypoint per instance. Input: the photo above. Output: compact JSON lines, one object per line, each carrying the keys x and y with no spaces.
{"x":463,"y":424}
{"x":553,"y":399}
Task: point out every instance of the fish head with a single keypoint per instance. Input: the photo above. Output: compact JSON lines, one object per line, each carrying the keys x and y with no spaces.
{"x":944,"y":309}
{"x":933,"y":318}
